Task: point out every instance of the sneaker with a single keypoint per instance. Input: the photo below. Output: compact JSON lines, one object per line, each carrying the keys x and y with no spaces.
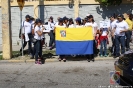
{"x":101,"y":55}
{"x":39,"y":62}
{"x":59,"y":59}
{"x":64,"y":60}
{"x":36,"y":62}
{"x":105,"y":55}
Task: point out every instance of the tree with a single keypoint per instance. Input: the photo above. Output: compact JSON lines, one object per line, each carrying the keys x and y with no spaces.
{"x":110,"y":2}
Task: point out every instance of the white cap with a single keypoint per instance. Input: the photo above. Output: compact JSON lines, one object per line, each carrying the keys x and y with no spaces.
{"x":88,"y":14}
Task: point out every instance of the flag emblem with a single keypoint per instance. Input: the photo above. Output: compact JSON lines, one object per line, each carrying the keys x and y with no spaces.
{"x":63,"y":33}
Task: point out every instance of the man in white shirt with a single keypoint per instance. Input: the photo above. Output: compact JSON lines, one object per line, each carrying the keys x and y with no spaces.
{"x":119,"y":30}
{"x":26,"y":31}
{"x":112,"y":25}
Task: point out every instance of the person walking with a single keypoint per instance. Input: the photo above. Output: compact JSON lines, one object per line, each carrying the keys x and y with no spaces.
{"x":119,"y":30}
{"x":27,"y":34}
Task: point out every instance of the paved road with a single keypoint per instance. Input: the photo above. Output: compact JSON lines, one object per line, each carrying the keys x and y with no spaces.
{"x":72,"y":74}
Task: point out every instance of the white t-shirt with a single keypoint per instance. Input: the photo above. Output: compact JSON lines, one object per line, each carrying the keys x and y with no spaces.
{"x":51,"y":25}
{"x":78,"y":26}
{"x":60,"y":26}
{"x":27,"y":27}
{"x":94,"y":25}
{"x":119,"y":27}
{"x":71,"y":26}
{"x":112,"y":25}
{"x":104,"y":33}
{"x":36,"y":36}
{"x":56,"y":23}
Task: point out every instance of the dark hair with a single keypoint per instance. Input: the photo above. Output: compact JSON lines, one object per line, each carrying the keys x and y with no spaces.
{"x":93,"y":20}
{"x":130,"y":16}
{"x":115,"y":16}
{"x":79,"y":22}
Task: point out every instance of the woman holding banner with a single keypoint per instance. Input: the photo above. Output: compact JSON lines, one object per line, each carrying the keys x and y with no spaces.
{"x":61,"y":57}
{"x":94,"y":25}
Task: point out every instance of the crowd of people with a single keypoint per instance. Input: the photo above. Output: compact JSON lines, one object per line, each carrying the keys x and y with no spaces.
{"x":120,"y":32}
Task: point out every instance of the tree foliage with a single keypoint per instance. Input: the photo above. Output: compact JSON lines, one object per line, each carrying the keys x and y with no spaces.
{"x":110,"y":2}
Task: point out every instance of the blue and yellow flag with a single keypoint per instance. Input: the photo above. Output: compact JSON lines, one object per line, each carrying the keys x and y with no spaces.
{"x":77,"y":41}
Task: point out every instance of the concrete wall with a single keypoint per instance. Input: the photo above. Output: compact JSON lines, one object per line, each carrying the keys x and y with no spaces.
{"x":55,"y":11}
{"x":15,"y":18}
{"x":99,"y":12}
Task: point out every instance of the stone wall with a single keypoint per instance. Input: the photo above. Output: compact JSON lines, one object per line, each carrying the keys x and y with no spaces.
{"x":98,"y":11}
{"x":15,"y":18}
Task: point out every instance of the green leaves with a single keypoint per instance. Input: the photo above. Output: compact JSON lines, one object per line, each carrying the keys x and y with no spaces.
{"x":110,"y":2}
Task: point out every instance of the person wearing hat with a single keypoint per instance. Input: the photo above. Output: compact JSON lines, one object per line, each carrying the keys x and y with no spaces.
{"x":78,"y":22}
{"x":57,"y":21}
{"x":61,"y":57}
{"x":37,"y":45}
{"x":84,"y":21}
{"x":27,"y":34}
{"x":51,"y":34}
{"x":129,"y":19}
{"x":71,"y":23}
{"x":91,"y":22}
{"x":119,"y":30}
{"x":65,"y":21}
{"x":112,"y":25}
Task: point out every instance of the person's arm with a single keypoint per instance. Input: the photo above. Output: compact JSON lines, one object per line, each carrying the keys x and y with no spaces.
{"x":95,"y":31}
{"x":125,"y":29}
{"x":38,"y":31}
{"x":108,"y":31}
{"x":101,"y":31}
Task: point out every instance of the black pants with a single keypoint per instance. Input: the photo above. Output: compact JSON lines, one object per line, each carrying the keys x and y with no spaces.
{"x":52,"y":38}
{"x":128,"y":38}
{"x":38,"y":50}
{"x":30,"y":51}
{"x":62,"y":56}
{"x":91,"y":56}
{"x":113,"y":49}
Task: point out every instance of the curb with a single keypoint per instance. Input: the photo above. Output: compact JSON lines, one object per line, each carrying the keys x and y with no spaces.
{"x":53,"y":60}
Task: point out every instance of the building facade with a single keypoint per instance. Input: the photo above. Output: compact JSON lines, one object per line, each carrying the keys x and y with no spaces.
{"x":60,"y":8}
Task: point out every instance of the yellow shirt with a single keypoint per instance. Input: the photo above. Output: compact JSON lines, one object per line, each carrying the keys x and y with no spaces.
{"x":130,"y":23}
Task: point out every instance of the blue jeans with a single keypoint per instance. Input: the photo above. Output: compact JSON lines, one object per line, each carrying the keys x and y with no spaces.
{"x":128,"y":38}
{"x":103,"y":44}
{"x":30,"y":51}
{"x":52,"y":38}
{"x":113,"y":46}
{"x":38,"y":49}
{"x":120,"y":40}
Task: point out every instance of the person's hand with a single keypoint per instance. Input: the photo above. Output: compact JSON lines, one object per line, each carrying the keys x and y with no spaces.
{"x":121,"y":31}
{"x":21,"y":36}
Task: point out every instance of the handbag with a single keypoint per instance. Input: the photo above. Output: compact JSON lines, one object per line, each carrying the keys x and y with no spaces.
{"x":33,"y":40}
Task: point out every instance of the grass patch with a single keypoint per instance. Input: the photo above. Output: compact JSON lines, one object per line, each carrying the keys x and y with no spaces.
{"x":49,"y":51}
{"x":0,"y":57}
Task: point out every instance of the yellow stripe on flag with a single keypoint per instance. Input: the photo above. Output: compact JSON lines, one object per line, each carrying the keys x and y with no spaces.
{"x":74,"y":34}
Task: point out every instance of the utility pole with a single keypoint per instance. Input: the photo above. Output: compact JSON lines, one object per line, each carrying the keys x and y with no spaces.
{"x":6,"y":29}
{"x":76,"y":8}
